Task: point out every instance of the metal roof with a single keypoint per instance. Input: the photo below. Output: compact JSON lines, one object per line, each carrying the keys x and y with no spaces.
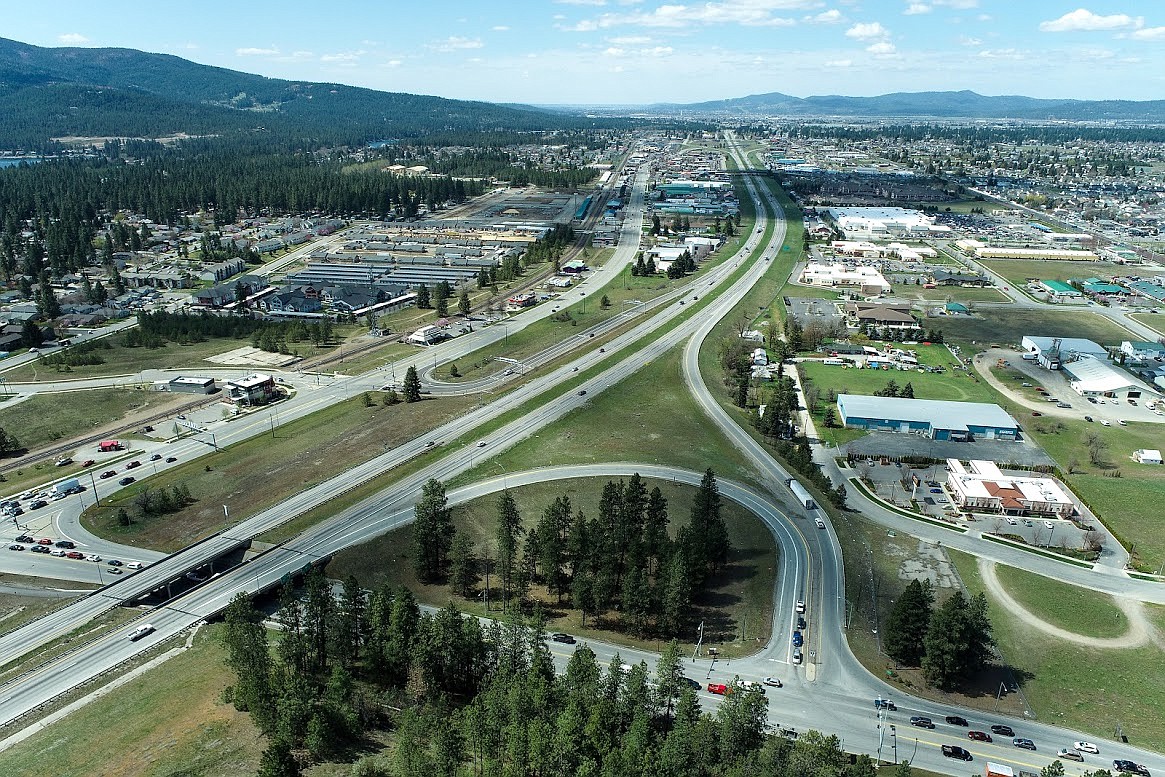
{"x":940,"y":414}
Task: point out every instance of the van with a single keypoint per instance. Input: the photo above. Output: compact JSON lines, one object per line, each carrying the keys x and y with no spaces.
{"x":1028,"y":357}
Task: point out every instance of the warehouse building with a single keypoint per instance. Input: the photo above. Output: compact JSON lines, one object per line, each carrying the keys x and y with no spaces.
{"x":191,"y":385}
{"x":1051,"y":352}
{"x":939,"y":420}
{"x":1091,"y":377}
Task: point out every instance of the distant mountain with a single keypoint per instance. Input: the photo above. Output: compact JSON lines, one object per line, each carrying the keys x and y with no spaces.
{"x":53,"y":92}
{"x":958,"y":105}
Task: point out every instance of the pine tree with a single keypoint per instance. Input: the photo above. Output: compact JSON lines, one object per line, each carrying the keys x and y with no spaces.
{"x":433,"y":531}
{"x":906,"y":627}
{"x":463,"y":303}
{"x":509,"y":527}
{"x":412,"y":385}
{"x":423,"y":299}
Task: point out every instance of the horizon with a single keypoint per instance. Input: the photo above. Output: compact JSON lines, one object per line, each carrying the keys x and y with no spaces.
{"x":633,"y":53}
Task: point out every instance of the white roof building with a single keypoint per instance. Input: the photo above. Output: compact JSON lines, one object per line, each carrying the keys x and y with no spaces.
{"x":871,"y":223}
{"x":1091,"y":377}
{"x":1147,"y":456}
{"x":868,"y":279}
{"x":983,"y":486}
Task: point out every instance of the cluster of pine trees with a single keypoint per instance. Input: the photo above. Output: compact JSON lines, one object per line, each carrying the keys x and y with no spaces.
{"x":461,"y":698}
{"x":623,"y":559}
{"x":549,"y":247}
{"x":951,"y":644}
{"x":155,"y":329}
{"x":506,"y":165}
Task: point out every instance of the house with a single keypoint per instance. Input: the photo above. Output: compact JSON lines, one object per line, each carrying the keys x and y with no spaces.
{"x":1147,"y":456}
{"x":949,"y":278}
{"x":873,"y":314}
{"x":291,"y":301}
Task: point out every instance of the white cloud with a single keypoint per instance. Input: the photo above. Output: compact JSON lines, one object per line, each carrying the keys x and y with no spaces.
{"x":916,"y":8}
{"x":746,"y":13}
{"x":614,"y":51}
{"x":1013,"y":54}
{"x":72,"y":39}
{"x":458,"y":43}
{"x":960,"y":5}
{"x":342,"y":56}
{"x":658,"y":51}
{"x":1149,"y":33}
{"x":832,"y":16}
{"x":867,"y":30}
{"x":965,"y":41}
{"x":1084,"y":20}
{"x":839,"y":63}
{"x":393,"y":63}
{"x":581,"y":2}
{"x":302,"y":55}
{"x":251,"y":51}
{"x":629,"y":40}
{"x":882,"y":49}
{"x":500,"y":28}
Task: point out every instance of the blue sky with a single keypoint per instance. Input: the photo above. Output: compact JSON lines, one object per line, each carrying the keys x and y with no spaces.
{"x":637,"y":51}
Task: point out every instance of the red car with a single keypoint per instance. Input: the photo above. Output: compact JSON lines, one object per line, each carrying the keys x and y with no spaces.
{"x":44,"y":541}
{"x":88,"y":463}
{"x":979,"y":736}
{"x":108,"y":474}
{"x":720,"y":689}
{"x":133,"y":465}
{"x":74,"y":555}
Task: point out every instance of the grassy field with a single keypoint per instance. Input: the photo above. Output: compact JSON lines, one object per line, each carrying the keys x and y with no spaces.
{"x":635,"y":421}
{"x":1078,"y":687}
{"x":740,"y":602}
{"x":951,"y":385}
{"x":172,"y":721}
{"x":962,"y":294}
{"x":1154,"y":320}
{"x":1019,"y":270}
{"x":47,"y":418}
{"x":1008,"y":326}
{"x":16,"y":610}
{"x":1079,"y":610}
{"x":266,"y":469}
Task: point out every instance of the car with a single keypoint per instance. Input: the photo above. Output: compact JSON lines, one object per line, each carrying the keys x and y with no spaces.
{"x":1105,"y":422}
{"x":582,"y":392}
{"x":954,"y":751}
{"x":133,"y":565}
{"x":820,"y":523}
{"x":720,"y":689}
{"x":156,"y":457}
{"x":40,"y":549}
{"x":1049,"y":525}
{"x":1023,"y":743}
{"x":113,"y":562}
{"x":141,"y":631}
{"x":772,"y":682}
{"x":1071,"y":755}
{"x":1122,"y":422}
{"x":59,"y":552}
{"x":1003,"y":731}
{"x":800,"y":606}
{"x":17,"y":510}
{"x":1086,"y":747}
{"x":133,"y":464}
{"x":690,"y":683}
{"x":1133,"y":402}
{"x":1012,"y":521}
{"x":64,"y":544}
{"x":885,"y":704}
{"x":1121,"y":765}
{"x":107,"y":474}
{"x":957,"y":720}
{"x":800,"y":622}
{"x":125,"y":481}
{"x":75,"y":555}
{"x":798,"y":639}
{"x":44,"y":541}
{"x":430,"y":444}
{"x":1088,"y":418}
{"x":936,"y":491}
{"x":88,"y":463}
{"x":921,"y":721}
{"x":1036,"y":413}
{"x":93,"y":557}
{"x":797,"y":657}
{"x":1092,"y":400}
{"x":171,"y":459}
{"x":25,"y":538}
{"x":752,"y":685}
{"x":113,"y":571}
{"x":14,"y":546}
{"x":565,"y":639}
{"x":979,"y":736}
{"x":39,"y":503}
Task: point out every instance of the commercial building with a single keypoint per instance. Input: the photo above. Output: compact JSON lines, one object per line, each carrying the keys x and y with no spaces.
{"x":865,"y":278}
{"x":1147,"y":456}
{"x":982,"y":486}
{"x":1092,"y":377}
{"x":882,"y":223}
{"x":939,"y":420}
{"x":1051,"y":352}
{"x":886,"y":316}
{"x":190,"y":385}
{"x":256,"y":389}
{"x":428,"y":335}
{"x":1142,"y":350}
{"x":1058,"y":291}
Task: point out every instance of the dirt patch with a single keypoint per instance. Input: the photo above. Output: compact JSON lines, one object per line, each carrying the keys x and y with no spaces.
{"x":930,"y":563}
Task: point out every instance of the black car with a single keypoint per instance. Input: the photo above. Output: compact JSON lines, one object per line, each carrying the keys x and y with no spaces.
{"x":1003,"y":731}
{"x":25,"y":538}
{"x":125,"y":481}
{"x":171,"y":459}
{"x":565,"y":639}
{"x":957,"y":720}
{"x":1025,"y":744}
{"x":921,"y":722}
{"x":695,"y":686}
{"x":954,"y":751}
{"x":156,"y":457}
{"x":1127,"y":767}
{"x":39,"y":503}
{"x":64,"y":544}
{"x":39,"y":548}
{"x":800,"y":622}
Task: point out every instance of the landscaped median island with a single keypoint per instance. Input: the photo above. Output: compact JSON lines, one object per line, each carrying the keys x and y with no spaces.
{"x":633,"y":560}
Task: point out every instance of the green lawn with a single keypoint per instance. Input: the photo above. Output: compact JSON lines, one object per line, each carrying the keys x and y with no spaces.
{"x":171,"y":721}
{"x":740,"y":602}
{"x":1154,"y":320}
{"x":962,"y":294}
{"x":1079,"y":610}
{"x":1019,"y":270}
{"x":638,"y":420}
{"x":266,"y":469}
{"x":950,"y":385}
{"x":1007,"y":326}
{"x":1077,"y":687}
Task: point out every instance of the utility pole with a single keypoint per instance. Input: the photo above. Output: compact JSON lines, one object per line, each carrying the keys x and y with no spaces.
{"x":699,"y":640}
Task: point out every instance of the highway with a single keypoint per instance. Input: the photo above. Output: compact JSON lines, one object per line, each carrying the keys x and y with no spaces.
{"x":831,"y":692}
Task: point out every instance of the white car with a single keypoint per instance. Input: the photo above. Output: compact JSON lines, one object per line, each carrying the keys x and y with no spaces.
{"x":1012,"y":521}
{"x":774,"y":682}
{"x":1086,"y":747}
{"x":1105,"y":422}
{"x":800,"y":607}
{"x":133,"y":565}
{"x":752,"y":685}
{"x":820,"y":524}
{"x":1049,"y":525}
{"x":93,"y":557}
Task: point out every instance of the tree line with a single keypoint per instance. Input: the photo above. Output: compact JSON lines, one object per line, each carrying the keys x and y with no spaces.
{"x":155,"y":329}
{"x":464,"y":698}
{"x":624,"y":559}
